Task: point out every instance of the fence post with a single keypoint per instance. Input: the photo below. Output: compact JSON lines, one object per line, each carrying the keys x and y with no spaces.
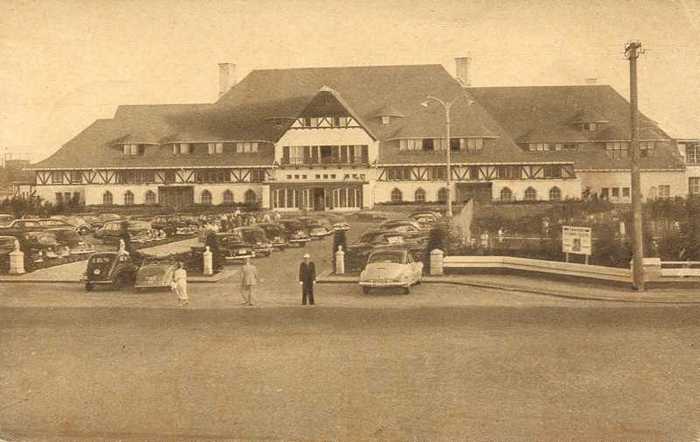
{"x":340,"y":261}
{"x":208,"y":265}
{"x":16,"y":260}
{"x":436,"y":262}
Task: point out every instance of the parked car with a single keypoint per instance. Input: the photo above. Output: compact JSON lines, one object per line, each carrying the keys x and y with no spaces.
{"x":44,"y":242}
{"x":75,"y":243}
{"x":426,"y":219}
{"x":296,"y":233}
{"x":276,"y":234}
{"x":341,"y":226}
{"x":255,"y":237}
{"x":317,"y":228}
{"x":155,"y":274}
{"x":140,"y":231}
{"x":233,"y":248}
{"x":79,"y":224}
{"x":5,"y":219}
{"x":391,"y":267}
{"x":20,"y":227}
{"x":110,"y":268}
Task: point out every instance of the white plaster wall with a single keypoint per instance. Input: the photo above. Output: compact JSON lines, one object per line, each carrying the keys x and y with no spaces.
{"x":327,"y":137}
{"x":597,"y":180}
{"x":570,"y":188}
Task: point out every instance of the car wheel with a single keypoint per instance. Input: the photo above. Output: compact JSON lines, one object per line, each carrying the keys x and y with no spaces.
{"x":89,"y":286}
{"x":365,"y":290}
{"x":406,"y":290}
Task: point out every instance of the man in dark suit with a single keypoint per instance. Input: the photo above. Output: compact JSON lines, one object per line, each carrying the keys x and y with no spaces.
{"x":307,"y":279}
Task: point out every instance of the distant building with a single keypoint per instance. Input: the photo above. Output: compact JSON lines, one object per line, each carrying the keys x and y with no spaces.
{"x":350,"y":137}
{"x":689,"y":149}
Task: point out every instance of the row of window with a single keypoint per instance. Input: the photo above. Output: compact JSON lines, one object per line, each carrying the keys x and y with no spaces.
{"x":325,"y":122}
{"x":530,"y":194}
{"x":326,"y":176}
{"x":546,"y":147}
{"x":150,"y":197}
{"x":419,"y":195}
{"x":168,"y":176}
{"x":620,"y":149}
{"x":217,"y":148}
{"x":432,"y":144}
{"x":350,"y":154}
{"x":694,"y":186}
{"x":614,"y":192}
{"x":440,"y":173}
{"x":692,"y":153}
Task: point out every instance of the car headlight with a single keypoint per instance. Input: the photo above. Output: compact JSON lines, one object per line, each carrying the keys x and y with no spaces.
{"x":96,"y":272}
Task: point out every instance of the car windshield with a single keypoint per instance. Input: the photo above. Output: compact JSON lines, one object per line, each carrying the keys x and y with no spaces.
{"x":386,"y":257}
{"x":66,"y":235}
{"x":101,"y":259}
{"x":253,"y":235}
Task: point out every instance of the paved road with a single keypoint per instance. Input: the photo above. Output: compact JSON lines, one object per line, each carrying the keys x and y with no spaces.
{"x":483,"y":373}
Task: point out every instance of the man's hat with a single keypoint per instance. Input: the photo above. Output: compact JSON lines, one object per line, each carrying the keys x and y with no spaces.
{"x":306,"y":255}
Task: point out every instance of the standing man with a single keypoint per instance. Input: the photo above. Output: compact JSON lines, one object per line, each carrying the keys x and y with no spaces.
{"x":307,"y":279}
{"x":249,"y":279}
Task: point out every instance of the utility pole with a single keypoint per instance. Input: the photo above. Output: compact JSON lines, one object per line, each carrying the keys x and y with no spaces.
{"x":632,"y":51}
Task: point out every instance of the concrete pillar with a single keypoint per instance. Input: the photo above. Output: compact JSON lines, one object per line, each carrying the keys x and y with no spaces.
{"x":436,"y":262}
{"x":340,"y":261}
{"x":652,"y":269}
{"x":265,"y":196}
{"x":16,"y":260}
{"x":208,"y":265}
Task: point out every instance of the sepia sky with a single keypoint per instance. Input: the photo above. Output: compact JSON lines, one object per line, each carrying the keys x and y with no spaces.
{"x":67,"y":63}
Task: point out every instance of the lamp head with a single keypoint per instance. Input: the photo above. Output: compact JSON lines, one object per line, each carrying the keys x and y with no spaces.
{"x":425,"y":103}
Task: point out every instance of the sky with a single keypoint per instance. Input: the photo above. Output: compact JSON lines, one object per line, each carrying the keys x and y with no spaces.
{"x":66,"y":63}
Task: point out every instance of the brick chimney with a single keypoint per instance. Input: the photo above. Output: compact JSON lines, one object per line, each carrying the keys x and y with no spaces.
{"x":227,"y":77}
{"x":462,"y":70}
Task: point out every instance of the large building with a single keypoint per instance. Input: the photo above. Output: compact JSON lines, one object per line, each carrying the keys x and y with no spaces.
{"x":350,"y":137}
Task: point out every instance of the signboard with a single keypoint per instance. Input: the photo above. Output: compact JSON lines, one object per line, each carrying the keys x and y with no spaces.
{"x":576,"y":240}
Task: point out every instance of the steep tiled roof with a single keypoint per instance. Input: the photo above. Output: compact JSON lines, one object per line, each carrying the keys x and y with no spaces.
{"x":264,"y":104}
{"x":549,"y":114}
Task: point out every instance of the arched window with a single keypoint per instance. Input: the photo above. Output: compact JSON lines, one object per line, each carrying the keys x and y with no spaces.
{"x":420,"y":195}
{"x":530,"y":194}
{"x":506,"y":194}
{"x":228,"y":197}
{"x":206,"y":198}
{"x":554,"y":194}
{"x":150,"y":197}
{"x":250,"y":197}
{"x":107,"y":198}
{"x":129,"y":198}
{"x":442,"y":194}
{"x":396,"y":196}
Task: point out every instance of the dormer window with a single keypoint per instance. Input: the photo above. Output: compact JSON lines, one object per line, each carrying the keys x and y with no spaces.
{"x":591,"y":127}
{"x":134,"y":149}
{"x":386,"y":119}
{"x":215,"y":148}
{"x":182,"y":148}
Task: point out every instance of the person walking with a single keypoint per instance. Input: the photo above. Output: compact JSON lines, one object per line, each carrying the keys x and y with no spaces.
{"x":249,"y":279}
{"x":179,"y":284}
{"x":307,"y":279}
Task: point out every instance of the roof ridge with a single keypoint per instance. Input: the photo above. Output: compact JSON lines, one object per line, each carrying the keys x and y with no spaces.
{"x":347,"y":67}
{"x":542,"y":86}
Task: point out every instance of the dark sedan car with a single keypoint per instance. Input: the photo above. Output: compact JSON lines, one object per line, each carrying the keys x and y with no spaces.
{"x":111,"y":269}
{"x":276,"y":233}
{"x":296,"y":233}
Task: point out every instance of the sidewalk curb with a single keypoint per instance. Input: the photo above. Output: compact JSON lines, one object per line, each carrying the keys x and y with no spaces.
{"x":326,"y":278}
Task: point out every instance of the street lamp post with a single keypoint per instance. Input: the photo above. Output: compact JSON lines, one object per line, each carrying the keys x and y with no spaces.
{"x":446,"y":105}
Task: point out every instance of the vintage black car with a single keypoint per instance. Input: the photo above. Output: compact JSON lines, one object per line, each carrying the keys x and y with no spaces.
{"x":296,"y":233}
{"x":233,"y":248}
{"x":276,"y":233}
{"x":317,"y":227}
{"x":111,"y":232}
{"x":255,"y":237}
{"x":111,"y":269}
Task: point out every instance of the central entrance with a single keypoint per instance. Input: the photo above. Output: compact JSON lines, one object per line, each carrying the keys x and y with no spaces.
{"x":177,"y":197}
{"x":318,"y":198}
